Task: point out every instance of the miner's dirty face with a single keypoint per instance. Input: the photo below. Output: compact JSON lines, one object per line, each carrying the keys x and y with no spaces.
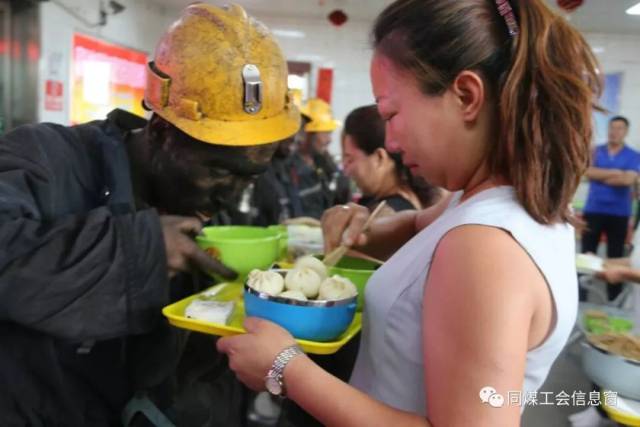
{"x":189,"y":176}
{"x":285,"y":148}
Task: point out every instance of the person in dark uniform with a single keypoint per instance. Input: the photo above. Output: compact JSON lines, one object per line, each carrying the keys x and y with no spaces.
{"x":320,"y":182}
{"x":274,"y":197}
{"x":92,"y":247}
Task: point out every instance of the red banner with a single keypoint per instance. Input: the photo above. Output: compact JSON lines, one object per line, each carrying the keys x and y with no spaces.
{"x":325,"y":84}
{"x":53,"y":95}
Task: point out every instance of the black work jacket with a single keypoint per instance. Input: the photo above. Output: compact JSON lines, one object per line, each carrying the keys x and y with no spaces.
{"x":80,"y":270}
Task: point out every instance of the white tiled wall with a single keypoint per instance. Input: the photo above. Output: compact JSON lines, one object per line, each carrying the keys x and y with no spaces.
{"x":139,"y":26}
{"x":346,"y":49}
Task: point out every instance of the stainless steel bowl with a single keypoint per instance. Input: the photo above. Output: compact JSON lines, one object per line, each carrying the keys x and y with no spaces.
{"x":303,"y":303}
{"x":611,"y":371}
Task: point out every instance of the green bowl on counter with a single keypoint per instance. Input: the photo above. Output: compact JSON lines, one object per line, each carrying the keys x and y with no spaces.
{"x":241,"y":248}
{"x":358,"y":271}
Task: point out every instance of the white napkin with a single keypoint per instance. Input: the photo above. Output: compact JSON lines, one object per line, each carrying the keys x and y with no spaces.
{"x":210,"y":311}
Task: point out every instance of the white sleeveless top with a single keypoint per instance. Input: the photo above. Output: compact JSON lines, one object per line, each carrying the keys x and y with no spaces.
{"x":390,"y":362}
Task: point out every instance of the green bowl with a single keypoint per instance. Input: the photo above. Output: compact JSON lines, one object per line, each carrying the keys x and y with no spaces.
{"x":284,"y":240}
{"x":358,"y":271}
{"x":242,"y":248}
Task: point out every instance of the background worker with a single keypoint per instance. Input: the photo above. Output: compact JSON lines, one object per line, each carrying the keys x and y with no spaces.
{"x":612,"y":177}
{"x":320,"y":182}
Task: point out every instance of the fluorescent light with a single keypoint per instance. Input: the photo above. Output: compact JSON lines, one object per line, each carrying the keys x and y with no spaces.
{"x":598,"y":49}
{"x":291,"y":34}
{"x":634,"y":10}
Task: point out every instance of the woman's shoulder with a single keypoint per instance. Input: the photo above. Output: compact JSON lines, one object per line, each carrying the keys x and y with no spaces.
{"x":499,"y":207}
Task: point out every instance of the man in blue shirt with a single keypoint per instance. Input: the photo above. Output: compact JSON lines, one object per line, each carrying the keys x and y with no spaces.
{"x":613,"y":173}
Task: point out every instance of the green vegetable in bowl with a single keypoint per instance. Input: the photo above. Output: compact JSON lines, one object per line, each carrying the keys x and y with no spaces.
{"x":598,"y":324}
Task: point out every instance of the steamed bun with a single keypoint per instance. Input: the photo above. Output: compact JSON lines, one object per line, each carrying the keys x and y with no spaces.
{"x":305,"y":280}
{"x":293,"y":295}
{"x":337,"y":287}
{"x":268,"y":282}
{"x":313,"y":263}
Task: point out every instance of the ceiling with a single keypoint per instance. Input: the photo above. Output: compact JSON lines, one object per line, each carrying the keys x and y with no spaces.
{"x":603,"y":16}
{"x":363,"y":10}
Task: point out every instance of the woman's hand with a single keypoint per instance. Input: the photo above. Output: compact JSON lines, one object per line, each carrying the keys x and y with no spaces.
{"x":344,"y":224}
{"x":614,"y":273}
{"x":252,"y":354}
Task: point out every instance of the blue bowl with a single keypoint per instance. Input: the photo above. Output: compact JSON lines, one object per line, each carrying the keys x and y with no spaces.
{"x":308,"y":320}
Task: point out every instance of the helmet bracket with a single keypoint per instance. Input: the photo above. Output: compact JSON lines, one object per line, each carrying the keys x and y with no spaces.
{"x":252,"y":89}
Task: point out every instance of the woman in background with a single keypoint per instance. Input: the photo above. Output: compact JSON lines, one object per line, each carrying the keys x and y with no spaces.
{"x":379,"y":174}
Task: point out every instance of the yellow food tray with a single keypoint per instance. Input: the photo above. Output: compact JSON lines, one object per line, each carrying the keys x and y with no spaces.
{"x":285,"y":264}
{"x":234,"y":292}
{"x":620,"y":416}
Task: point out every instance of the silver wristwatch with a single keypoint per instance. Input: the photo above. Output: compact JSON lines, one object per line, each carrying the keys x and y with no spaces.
{"x":274,"y":381}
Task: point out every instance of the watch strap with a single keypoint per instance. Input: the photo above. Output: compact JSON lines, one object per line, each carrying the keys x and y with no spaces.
{"x":281,"y":361}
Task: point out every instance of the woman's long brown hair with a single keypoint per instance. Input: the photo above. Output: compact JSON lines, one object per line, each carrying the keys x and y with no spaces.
{"x":544,"y":83}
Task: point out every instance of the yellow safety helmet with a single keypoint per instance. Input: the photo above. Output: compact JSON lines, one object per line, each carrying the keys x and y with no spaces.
{"x":321,"y":117}
{"x":219,"y":76}
{"x":296,"y":95}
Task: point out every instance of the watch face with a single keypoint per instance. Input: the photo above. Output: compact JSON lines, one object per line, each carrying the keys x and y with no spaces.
{"x":273,"y":386}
